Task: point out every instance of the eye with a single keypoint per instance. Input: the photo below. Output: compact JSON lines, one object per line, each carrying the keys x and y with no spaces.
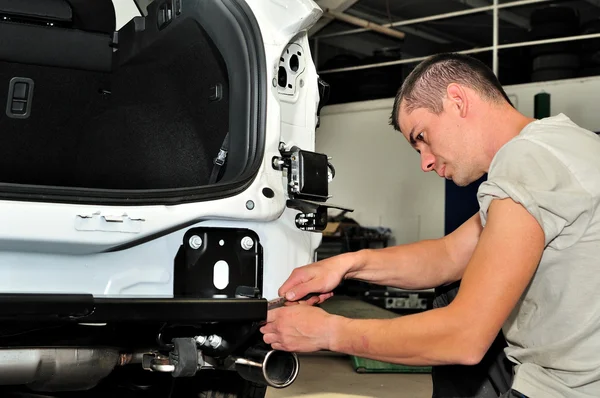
{"x":420,"y":137}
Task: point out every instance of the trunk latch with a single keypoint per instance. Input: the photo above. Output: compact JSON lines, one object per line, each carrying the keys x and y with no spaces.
{"x":309,"y":175}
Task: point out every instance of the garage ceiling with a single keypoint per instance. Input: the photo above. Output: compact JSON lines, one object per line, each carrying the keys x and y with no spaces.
{"x":333,"y":50}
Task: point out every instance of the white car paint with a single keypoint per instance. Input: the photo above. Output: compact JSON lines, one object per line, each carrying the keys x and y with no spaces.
{"x":63,"y":248}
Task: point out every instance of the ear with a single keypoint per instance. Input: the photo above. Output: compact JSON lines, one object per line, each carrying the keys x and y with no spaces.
{"x":457,"y":99}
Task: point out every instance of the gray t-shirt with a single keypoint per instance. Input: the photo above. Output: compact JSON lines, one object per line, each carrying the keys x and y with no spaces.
{"x":552,"y":168}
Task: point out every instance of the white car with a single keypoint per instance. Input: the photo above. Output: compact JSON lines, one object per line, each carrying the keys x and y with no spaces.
{"x":159,"y":182}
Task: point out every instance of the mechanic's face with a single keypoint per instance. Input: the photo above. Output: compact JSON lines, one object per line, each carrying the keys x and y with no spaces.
{"x":443,"y":141}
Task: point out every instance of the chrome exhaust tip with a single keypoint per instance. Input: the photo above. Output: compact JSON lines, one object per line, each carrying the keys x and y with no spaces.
{"x":277,"y":369}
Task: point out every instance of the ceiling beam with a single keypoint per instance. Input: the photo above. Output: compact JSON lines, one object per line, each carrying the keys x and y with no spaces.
{"x":416,"y":32}
{"x":362,"y":46}
{"x":334,"y":5}
{"x":365,"y":23}
{"x":504,"y":15}
{"x":430,"y":34}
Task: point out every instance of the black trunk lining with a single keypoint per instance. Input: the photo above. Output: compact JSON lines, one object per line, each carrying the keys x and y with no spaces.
{"x":157,"y":129}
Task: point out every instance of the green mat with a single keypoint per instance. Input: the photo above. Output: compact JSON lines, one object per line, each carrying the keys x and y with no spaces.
{"x":357,"y":309}
{"x":364,"y":365}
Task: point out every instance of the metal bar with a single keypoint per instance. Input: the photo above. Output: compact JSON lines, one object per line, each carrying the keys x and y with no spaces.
{"x":507,"y":15}
{"x":88,"y":309}
{"x":469,"y":51}
{"x":368,"y":25}
{"x":430,"y":18}
{"x":495,"y":39}
{"x":550,"y":41}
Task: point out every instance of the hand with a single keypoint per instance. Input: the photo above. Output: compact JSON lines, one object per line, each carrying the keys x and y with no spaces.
{"x":319,"y":277}
{"x":298,"y":328}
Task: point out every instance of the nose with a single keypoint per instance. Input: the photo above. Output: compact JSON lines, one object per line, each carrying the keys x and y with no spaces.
{"x":427,"y":161}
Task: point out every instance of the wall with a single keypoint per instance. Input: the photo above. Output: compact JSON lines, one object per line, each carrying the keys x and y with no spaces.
{"x":576,"y":98}
{"x":378,"y":173}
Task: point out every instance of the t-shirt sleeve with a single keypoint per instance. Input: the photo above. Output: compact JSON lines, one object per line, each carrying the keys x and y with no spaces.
{"x":531,"y":175}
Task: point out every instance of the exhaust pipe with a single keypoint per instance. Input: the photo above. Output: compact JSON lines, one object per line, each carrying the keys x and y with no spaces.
{"x":277,"y":369}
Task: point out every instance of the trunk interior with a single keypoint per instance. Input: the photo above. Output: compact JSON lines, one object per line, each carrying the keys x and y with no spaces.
{"x":149,"y":123}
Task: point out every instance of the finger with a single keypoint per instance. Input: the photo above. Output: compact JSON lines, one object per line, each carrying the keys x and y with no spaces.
{"x":267,"y":329}
{"x":318,"y":299}
{"x":272,"y":315}
{"x":312,"y":301}
{"x":270,"y":338}
{"x":300,"y":291}
{"x":277,"y":347}
{"x":299,"y":276}
{"x":325,"y":296}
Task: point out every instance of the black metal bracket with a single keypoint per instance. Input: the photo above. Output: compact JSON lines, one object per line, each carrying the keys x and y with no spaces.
{"x":206,"y":253}
{"x":313,"y":216}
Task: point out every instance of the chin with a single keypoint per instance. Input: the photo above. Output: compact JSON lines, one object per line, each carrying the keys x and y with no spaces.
{"x":460,"y":181}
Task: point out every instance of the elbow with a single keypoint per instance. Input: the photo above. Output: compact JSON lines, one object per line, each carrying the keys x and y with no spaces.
{"x":470,"y":358}
{"x":472,"y":352}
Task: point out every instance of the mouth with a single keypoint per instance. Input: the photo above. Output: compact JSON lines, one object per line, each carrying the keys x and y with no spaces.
{"x":442,"y":172}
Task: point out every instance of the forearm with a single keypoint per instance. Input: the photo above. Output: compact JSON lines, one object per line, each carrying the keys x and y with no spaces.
{"x":419,"y":265}
{"x":435,"y":337}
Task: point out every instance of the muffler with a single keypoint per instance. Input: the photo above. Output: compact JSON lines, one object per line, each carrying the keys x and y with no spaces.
{"x":56,"y":369}
{"x":274,"y":368}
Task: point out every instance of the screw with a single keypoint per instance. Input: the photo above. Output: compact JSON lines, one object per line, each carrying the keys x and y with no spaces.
{"x":200,"y":340}
{"x":195,"y":242}
{"x":247,"y":243}
{"x":301,"y":83}
{"x":250,"y":205}
{"x":214,"y":341}
{"x":274,"y":82}
{"x":278,"y":163}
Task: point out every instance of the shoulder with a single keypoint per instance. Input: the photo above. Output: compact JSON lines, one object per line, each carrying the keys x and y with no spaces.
{"x":539,"y":170}
{"x":529,"y":162}
{"x":549,"y":151}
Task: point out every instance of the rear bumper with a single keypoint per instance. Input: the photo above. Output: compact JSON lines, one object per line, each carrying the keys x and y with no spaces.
{"x":82,"y":308}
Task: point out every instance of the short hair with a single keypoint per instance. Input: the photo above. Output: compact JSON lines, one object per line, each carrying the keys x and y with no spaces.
{"x":426,"y":85}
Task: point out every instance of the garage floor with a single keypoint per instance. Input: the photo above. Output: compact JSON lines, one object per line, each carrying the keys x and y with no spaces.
{"x":332,"y":376}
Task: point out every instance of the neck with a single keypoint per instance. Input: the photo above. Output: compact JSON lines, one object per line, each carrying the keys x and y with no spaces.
{"x":503,"y":124}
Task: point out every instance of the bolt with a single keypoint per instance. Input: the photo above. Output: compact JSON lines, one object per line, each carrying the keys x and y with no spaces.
{"x":250,"y":205}
{"x":278,"y":163}
{"x":214,"y":341}
{"x":274,"y":82}
{"x":195,"y":242}
{"x":301,"y":83}
{"x":247,"y":243}
{"x":200,"y":340}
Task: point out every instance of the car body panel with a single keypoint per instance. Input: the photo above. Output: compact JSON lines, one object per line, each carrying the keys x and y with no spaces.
{"x":130,"y":250}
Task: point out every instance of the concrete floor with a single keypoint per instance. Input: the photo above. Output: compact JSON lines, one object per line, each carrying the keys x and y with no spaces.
{"x":332,"y":376}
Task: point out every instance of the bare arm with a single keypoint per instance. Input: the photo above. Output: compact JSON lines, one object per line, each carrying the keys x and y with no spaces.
{"x":420,"y":265}
{"x":498,"y":272}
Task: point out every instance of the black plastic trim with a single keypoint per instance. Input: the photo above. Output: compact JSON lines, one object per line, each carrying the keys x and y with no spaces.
{"x":55,"y":46}
{"x":83,"y":308}
{"x":227,"y":22}
{"x":55,"y":10}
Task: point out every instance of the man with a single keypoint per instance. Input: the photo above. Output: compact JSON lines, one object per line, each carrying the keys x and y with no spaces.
{"x":528,"y":261}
